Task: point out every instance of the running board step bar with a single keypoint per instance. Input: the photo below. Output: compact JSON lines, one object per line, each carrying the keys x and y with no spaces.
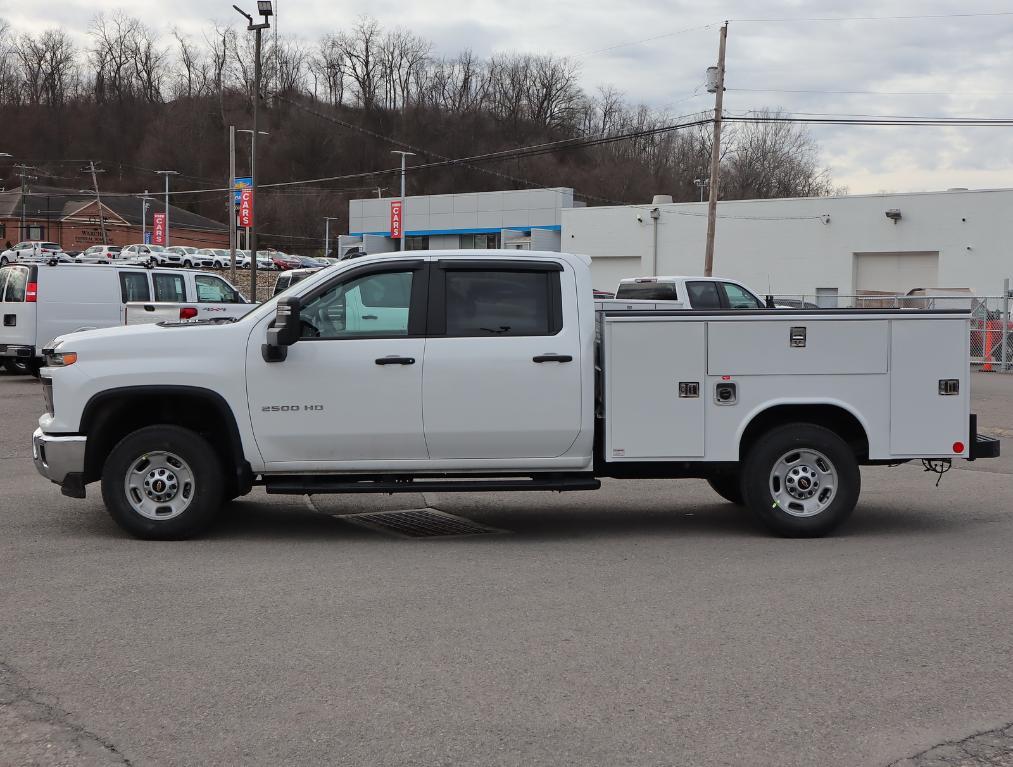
{"x":310,"y":485}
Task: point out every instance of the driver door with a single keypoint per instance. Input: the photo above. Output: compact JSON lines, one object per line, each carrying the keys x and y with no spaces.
{"x":349,"y":393}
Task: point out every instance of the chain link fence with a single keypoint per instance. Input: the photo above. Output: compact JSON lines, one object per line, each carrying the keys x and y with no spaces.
{"x":991,"y":320}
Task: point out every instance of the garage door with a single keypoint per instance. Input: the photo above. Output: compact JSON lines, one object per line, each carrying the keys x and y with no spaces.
{"x":896,"y":272}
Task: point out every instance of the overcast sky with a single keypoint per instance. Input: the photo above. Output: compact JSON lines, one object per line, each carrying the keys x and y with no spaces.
{"x":969,"y":60}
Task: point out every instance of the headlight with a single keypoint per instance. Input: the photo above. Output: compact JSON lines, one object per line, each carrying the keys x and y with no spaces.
{"x":57,"y":358}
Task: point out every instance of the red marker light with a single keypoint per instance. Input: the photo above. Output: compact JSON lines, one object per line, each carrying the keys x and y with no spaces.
{"x":726,"y":378}
{"x":187,"y":312}
{"x":958,"y":447}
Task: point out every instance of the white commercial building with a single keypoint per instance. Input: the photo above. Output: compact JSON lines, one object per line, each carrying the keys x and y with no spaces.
{"x":522,"y":219}
{"x":826,"y":247}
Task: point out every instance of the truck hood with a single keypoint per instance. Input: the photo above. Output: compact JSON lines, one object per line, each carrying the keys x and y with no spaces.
{"x":154,"y":340}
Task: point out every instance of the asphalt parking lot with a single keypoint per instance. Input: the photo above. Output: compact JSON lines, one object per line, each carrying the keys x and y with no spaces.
{"x":645,"y":624}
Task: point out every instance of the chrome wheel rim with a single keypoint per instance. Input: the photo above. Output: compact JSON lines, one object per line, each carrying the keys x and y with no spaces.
{"x":803,"y":483}
{"x":159,"y":485}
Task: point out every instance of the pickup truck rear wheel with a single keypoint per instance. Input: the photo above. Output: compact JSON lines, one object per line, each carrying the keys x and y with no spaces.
{"x":729,"y":487}
{"x":163,"y":482}
{"x":801,"y":480}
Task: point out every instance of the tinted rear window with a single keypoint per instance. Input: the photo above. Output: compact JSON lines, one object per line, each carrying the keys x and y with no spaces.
{"x":483,"y":303}
{"x":50,"y":246}
{"x":648,"y":291}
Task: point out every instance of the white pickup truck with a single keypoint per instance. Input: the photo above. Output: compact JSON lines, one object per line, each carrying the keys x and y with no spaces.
{"x":492,"y":370}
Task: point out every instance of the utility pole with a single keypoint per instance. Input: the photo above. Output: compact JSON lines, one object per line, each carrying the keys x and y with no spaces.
{"x":231,"y":208}
{"x":166,"y":174}
{"x":98,"y":199}
{"x":144,"y":215}
{"x":327,"y":234}
{"x":712,"y":207}
{"x":404,"y":204}
{"x":23,"y":172}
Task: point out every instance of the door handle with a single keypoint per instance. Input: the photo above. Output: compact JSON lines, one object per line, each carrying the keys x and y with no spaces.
{"x":552,"y":358}
{"x":149,"y":308}
{"x":395,"y":360}
{"x":369,"y":316}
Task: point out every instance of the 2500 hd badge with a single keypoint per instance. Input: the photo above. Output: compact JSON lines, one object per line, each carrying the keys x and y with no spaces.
{"x":290,"y":408}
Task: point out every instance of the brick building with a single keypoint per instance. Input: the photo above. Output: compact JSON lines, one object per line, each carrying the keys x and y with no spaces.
{"x":71,"y":218}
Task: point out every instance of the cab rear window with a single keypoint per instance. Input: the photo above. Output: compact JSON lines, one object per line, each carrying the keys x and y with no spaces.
{"x":648,"y":291}
{"x":134,"y":286}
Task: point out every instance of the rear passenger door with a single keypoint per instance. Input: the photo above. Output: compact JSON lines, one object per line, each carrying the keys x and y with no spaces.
{"x":502,"y":372}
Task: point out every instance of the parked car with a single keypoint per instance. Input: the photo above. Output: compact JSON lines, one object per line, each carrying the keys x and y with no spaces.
{"x":32,"y":251}
{"x":283,"y":261}
{"x":98,"y":254}
{"x":264,"y":262}
{"x":157,"y":255}
{"x":41,"y":301}
{"x":308,"y":262}
{"x":291,"y":277}
{"x":188,"y":257}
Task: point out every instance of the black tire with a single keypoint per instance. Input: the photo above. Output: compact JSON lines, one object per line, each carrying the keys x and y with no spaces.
{"x":758,"y":484}
{"x":15,"y":367}
{"x":187,"y":265}
{"x":3,"y":261}
{"x":729,"y":487}
{"x":206,"y":493}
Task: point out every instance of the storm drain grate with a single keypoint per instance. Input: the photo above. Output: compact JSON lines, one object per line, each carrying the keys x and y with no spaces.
{"x":418,"y":523}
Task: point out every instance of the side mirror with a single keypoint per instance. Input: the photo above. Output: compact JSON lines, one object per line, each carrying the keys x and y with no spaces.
{"x":769,"y":302}
{"x":286,"y":330}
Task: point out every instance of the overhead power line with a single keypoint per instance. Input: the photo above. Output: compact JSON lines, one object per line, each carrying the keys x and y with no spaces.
{"x":871,"y":93}
{"x":908,"y":17}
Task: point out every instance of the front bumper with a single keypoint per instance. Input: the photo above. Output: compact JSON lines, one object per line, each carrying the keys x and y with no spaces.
{"x":60,"y":460}
{"x":18,"y":352}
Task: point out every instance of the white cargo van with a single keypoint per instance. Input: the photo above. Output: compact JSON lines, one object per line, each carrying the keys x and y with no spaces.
{"x":39,"y":302}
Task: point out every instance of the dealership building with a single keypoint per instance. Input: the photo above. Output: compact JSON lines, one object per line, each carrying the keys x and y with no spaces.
{"x":824,"y":248}
{"x":73,"y":219}
{"x":528,"y":219}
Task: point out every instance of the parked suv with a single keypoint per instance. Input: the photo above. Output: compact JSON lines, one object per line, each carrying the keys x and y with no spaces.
{"x":32,"y":251}
{"x":156,"y":254}
{"x":689,"y":292}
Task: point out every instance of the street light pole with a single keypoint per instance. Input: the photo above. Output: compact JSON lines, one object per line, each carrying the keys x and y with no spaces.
{"x":265,"y":10}
{"x":327,"y":234}
{"x":404,"y":204}
{"x":166,"y":174}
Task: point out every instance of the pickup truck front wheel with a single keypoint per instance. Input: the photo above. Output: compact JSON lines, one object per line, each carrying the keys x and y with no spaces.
{"x":801,"y":480}
{"x":163,"y":483}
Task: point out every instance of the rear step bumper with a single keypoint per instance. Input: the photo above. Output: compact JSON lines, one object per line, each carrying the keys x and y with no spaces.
{"x":310,"y":485}
{"x":981,"y":446}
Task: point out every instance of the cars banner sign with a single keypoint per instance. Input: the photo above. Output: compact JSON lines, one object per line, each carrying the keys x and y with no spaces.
{"x":158,"y":229}
{"x":246,"y":207}
{"x":395,"y":220}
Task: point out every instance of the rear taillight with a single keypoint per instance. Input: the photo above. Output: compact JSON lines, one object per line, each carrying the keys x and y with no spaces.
{"x":187,"y":312}
{"x":32,"y":292}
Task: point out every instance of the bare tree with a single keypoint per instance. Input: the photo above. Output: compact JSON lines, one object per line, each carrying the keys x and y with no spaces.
{"x":361,"y":49}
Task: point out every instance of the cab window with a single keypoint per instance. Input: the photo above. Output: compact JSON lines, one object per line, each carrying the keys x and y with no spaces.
{"x":215,"y":290}
{"x":740,"y":298}
{"x":372,"y":305}
{"x":169,"y":287}
{"x":134,"y":287}
{"x":703,"y":295}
